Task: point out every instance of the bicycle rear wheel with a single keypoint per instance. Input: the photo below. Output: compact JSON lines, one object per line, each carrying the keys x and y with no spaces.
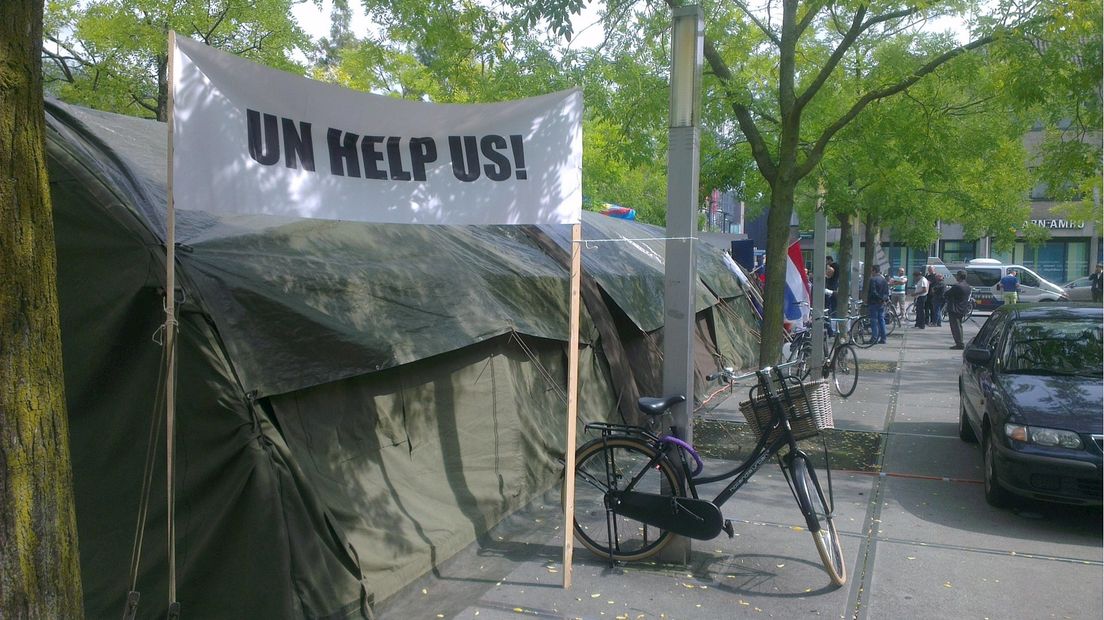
{"x":861,"y":332}
{"x":810,"y":497}
{"x":845,"y":370}
{"x":607,"y":465}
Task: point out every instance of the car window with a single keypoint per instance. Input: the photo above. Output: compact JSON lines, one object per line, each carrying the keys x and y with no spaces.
{"x":977,"y":276}
{"x":1050,"y":347}
{"x":1028,"y":279}
{"x":990,"y":331}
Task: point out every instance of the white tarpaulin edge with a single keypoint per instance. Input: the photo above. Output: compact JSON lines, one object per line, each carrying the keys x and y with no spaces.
{"x":248,"y":139}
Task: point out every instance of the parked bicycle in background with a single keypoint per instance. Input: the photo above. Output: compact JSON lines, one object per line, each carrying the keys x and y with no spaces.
{"x":841,"y":362}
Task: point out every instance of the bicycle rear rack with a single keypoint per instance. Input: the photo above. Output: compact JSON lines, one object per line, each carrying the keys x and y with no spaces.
{"x":609,"y":429}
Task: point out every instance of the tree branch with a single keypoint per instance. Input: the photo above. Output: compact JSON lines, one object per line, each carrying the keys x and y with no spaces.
{"x":60,"y":62}
{"x":142,"y":103}
{"x":759,"y":148}
{"x":214,"y":26}
{"x":810,"y":14}
{"x":755,"y":20}
{"x":881,"y":93}
{"x":858,"y":26}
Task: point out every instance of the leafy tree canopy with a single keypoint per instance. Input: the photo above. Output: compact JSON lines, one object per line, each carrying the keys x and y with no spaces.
{"x":111,"y":54}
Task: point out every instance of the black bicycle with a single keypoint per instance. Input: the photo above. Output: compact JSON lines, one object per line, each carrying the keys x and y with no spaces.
{"x":862,"y":333}
{"x":841,"y":363}
{"x":635,"y":489}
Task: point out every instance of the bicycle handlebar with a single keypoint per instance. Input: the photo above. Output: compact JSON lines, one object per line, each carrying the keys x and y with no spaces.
{"x":729,"y":374}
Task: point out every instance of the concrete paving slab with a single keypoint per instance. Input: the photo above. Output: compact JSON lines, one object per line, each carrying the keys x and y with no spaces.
{"x":935,"y":454}
{"x":955,"y":515}
{"x":913,"y":581}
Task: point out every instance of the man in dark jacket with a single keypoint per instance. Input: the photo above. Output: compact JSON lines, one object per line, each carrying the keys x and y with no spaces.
{"x":958,"y":298}
{"x":831,"y":283}
{"x":937,"y":290}
{"x":1097,"y":280}
{"x":875,"y":305}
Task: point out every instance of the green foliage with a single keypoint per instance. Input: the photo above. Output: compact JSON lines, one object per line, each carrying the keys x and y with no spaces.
{"x":946,"y":149}
{"x":1054,"y":72}
{"x":111,"y":54}
{"x":607,"y":177}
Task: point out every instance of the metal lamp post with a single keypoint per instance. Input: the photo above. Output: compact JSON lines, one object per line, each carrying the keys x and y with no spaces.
{"x":680,"y":274}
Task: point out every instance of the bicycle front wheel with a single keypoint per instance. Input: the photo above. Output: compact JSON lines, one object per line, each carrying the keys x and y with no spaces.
{"x":845,"y":370}
{"x":861,"y":332}
{"x":800,"y":354}
{"x":817,"y":516}
{"x":609,"y":464}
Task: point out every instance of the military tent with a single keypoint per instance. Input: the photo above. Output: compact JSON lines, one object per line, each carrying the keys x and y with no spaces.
{"x":355,"y":402}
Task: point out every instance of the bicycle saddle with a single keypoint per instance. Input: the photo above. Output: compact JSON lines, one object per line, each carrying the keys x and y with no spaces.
{"x":658,"y":406}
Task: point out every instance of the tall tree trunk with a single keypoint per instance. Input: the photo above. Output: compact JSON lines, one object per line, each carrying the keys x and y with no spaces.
{"x":39,"y":561}
{"x":163,"y":86}
{"x":871,"y":236}
{"x":778,"y":239}
{"x":847,"y":239}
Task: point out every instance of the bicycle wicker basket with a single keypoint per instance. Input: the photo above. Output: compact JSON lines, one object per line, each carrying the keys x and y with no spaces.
{"x":809,"y":410}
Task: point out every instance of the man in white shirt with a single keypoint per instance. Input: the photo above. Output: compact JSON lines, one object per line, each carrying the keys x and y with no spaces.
{"x":920,"y":297}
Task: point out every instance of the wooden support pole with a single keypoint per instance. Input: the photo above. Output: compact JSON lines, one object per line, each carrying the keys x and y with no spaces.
{"x":572,"y":400}
{"x":170,"y":341}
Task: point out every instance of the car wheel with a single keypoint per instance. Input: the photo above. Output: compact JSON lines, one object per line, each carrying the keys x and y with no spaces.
{"x":995,"y":494}
{"x":965,"y":431}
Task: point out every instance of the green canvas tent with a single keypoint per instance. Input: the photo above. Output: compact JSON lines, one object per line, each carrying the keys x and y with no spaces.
{"x":355,"y":402}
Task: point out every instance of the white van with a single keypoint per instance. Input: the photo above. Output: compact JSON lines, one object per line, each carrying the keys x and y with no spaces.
{"x":983,"y":274}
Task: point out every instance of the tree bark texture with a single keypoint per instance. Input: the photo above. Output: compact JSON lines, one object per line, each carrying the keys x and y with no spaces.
{"x":778,"y":239}
{"x":871,"y":237}
{"x":843,"y":292}
{"x":39,"y":559}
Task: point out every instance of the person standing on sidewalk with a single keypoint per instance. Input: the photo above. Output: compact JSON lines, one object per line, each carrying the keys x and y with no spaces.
{"x":920,"y":298}
{"x":937,"y":289}
{"x":831,"y":283}
{"x":1009,"y":286}
{"x":875,"y":305}
{"x":897,"y":291}
{"x":958,"y":297}
{"x":929,"y":275}
{"x":1097,"y":280}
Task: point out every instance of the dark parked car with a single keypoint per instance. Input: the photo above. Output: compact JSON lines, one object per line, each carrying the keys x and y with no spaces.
{"x":1031,"y":392}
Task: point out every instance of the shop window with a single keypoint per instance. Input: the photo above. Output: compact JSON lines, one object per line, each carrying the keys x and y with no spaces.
{"x":1057,"y":260}
{"x":958,"y":251}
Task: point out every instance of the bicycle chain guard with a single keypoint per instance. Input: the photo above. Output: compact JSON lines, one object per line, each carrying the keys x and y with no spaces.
{"x":686,"y":516}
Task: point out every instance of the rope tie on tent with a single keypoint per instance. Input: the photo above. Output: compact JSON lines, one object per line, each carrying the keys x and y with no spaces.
{"x":587,"y":243}
{"x":544,"y":372}
{"x":170,"y":322}
{"x":133,"y":595}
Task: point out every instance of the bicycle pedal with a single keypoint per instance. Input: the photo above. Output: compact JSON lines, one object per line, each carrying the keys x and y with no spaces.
{"x":729,"y":529}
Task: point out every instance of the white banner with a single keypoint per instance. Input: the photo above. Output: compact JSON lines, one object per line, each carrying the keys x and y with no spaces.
{"x":248,"y":139}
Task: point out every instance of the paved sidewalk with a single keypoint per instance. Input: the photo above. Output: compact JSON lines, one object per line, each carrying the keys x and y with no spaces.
{"x":920,"y":540}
